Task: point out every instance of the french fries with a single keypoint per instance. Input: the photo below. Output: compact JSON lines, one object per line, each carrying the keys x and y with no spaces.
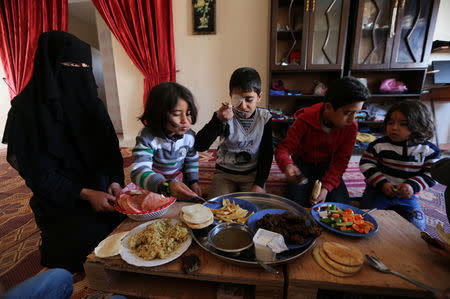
{"x":231,"y":212}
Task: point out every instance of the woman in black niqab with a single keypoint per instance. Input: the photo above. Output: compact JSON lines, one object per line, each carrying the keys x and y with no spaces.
{"x":62,"y":142}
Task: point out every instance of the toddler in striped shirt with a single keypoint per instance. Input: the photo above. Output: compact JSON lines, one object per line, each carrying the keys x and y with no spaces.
{"x":164,"y":158}
{"x":397,"y":166}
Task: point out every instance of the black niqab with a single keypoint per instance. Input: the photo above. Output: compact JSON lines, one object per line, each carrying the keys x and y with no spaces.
{"x":58,"y":112}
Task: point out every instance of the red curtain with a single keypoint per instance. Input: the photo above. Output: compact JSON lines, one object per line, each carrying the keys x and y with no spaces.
{"x":21,"y":23}
{"x":144,"y":28}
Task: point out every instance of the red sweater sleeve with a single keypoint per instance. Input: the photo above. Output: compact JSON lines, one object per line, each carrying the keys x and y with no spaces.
{"x":289,"y":146}
{"x":339,"y":161}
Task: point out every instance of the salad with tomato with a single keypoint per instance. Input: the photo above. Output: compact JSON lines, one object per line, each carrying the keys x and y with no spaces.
{"x":344,"y":220}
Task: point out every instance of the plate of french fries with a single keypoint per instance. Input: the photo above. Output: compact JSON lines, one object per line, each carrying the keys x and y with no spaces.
{"x":230,"y":209}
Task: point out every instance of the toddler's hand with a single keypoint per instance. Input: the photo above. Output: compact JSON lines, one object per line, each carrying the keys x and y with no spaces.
{"x":196,"y":188}
{"x":181,"y":191}
{"x":405,"y":190}
{"x":389,"y":190}
{"x":292,"y":172}
{"x":225,"y":112}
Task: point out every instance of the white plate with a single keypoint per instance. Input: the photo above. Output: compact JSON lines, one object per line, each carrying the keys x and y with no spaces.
{"x":135,"y":260}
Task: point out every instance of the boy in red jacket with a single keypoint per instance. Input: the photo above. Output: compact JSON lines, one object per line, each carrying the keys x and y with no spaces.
{"x":319,"y":144}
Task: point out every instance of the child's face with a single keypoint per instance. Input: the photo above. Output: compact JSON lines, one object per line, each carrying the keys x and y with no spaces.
{"x":397,"y":127}
{"x":180,"y":119}
{"x":341,"y":117}
{"x":248,"y":104}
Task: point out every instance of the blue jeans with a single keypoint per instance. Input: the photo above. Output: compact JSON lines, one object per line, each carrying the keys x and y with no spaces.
{"x":301,"y":193}
{"x":54,"y":283}
{"x":408,"y":208}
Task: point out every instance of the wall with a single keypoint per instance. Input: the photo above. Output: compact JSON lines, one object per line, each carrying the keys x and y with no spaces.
{"x":442,"y":109}
{"x":205,"y":62}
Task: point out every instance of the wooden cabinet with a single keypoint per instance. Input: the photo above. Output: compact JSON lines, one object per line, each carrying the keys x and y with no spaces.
{"x":323,"y":40}
{"x":308,"y":40}
{"x":308,"y":34}
{"x":393,"y":34}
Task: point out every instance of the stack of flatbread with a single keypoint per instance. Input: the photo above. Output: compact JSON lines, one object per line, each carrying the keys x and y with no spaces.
{"x":196,"y":216}
{"x":338,"y":259}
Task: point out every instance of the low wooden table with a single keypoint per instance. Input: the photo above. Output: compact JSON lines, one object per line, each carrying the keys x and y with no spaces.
{"x":169,"y":280}
{"x":397,"y":244}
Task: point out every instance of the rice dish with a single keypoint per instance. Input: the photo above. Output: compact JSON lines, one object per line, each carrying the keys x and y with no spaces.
{"x":158,"y":240}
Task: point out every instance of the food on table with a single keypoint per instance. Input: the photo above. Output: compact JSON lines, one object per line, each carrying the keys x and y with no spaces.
{"x":442,"y":234}
{"x":158,"y":240}
{"x":141,"y":201}
{"x":293,"y":228}
{"x":231,"y":212}
{"x":316,"y":190}
{"x":196,"y":216}
{"x":110,"y":246}
{"x":191,"y":263}
{"x":343,"y":254}
{"x":344,"y":220}
{"x":338,"y":259}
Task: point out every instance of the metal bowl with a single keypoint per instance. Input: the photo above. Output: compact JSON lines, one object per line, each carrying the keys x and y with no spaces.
{"x":231,"y":237}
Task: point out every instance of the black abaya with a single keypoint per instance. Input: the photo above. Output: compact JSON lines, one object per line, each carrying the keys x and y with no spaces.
{"x":61,"y":139}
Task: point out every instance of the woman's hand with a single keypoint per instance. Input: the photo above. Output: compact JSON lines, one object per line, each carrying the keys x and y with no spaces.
{"x":196,"y":188}
{"x":100,"y":201}
{"x":388,"y":190}
{"x":225,"y":112}
{"x":114,"y":189}
{"x":405,"y":190}
{"x":181,"y":191}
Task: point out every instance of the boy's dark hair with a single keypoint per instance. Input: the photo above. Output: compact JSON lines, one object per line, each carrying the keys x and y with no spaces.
{"x":418,"y":117}
{"x":247,"y":79}
{"x":161,"y":100}
{"x":346,"y":91}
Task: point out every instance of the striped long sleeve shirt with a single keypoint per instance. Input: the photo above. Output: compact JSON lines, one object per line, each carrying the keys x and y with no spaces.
{"x":156,"y":156}
{"x":398,"y":163}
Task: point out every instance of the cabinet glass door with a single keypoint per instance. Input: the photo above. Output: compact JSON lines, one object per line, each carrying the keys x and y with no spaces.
{"x":289,"y":34}
{"x":373,"y":42}
{"x":327,"y":33}
{"x":412,"y":42}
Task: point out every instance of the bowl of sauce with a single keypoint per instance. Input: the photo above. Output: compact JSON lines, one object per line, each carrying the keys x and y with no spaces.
{"x":231,"y":237}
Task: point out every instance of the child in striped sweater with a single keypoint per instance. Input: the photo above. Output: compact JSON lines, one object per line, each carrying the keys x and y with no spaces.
{"x":397,"y":166}
{"x":164,"y":158}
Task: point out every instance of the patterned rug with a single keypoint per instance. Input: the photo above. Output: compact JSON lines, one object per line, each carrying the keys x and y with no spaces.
{"x":20,"y":238}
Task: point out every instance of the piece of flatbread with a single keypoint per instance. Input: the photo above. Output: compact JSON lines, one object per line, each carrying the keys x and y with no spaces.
{"x":196,"y":225}
{"x":325,"y":266}
{"x":337,"y":266}
{"x":110,"y":246}
{"x":345,"y":255}
{"x":196,"y":213}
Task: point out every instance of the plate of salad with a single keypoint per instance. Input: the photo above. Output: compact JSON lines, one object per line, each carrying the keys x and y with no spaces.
{"x":344,"y":219}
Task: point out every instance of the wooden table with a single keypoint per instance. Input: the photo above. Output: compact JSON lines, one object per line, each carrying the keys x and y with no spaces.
{"x":169,"y":280}
{"x":397,"y":244}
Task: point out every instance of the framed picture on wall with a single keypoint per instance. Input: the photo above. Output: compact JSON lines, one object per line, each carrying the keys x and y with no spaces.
{"x":204,"y":16}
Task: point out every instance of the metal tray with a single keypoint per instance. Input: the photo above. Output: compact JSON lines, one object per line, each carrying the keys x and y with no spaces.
{"x":261,"y":201}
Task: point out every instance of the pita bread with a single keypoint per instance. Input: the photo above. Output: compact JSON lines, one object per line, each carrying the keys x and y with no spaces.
{"x":316,"y":190}
{"x":196,"y":216}
{"x":196,"y":213}
{"x":348,"y":256}
{"x":110,"y":246}
{"x":337,"y":266}
{"x":325,"y":266}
